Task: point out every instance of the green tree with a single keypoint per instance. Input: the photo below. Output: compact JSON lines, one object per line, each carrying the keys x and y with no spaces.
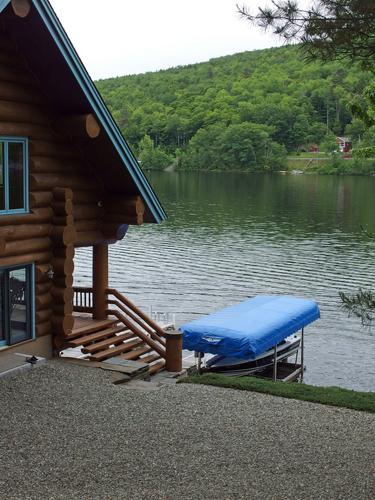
{"x":244,"y":146}
{"x":329,"y":143}
{"x":203,"y":151}
{"x":152,"y":158}
{"x":356,"y":130}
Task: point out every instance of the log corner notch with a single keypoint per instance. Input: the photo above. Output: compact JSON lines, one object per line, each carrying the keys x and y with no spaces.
{"x":63,"y":235}
{"x":79,"y":126}
{"x":21,"y":8}
{"x":122,"y":210}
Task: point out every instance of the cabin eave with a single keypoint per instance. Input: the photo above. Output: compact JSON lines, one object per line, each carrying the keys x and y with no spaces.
{"x":89,"y":100}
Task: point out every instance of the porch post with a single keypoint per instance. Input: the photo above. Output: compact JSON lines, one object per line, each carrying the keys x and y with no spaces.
{"x":100,"y":280}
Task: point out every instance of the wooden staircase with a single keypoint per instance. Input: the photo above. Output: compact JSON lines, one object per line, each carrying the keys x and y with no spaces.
{"x":106,"y":339}
{"x":128,"y":336}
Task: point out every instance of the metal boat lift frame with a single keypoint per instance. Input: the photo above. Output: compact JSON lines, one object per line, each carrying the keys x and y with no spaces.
{"x":299,"y":369}
{"x":294,"y":375}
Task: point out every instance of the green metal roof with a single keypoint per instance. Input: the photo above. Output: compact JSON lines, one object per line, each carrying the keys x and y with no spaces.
{"x":60,"y":38}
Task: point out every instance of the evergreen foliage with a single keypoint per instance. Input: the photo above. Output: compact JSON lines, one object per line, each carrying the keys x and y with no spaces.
{"x":329,"y":29}
{"x":360,"y":304}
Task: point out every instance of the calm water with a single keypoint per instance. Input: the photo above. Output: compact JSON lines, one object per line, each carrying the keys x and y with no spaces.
{"x":233,"y":236}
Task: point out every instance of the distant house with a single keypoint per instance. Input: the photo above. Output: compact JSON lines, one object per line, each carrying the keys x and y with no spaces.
{"x":67,"y":179}
{"x":344,"y":144}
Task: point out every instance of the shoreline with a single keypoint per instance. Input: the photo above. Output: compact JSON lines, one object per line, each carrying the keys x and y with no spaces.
{"x":295,"y":171}
{"x":296,"y":165}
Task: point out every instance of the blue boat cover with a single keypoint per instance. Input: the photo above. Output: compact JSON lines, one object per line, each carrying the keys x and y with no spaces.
{"x":250,"y":328}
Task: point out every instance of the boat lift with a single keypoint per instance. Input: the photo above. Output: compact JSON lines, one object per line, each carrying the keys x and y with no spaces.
{"x":252,"y":337}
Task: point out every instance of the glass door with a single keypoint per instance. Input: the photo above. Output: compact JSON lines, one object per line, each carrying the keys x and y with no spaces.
{"x":19,"y":305}
{"x":16,"y":305}
{"x":3,"y":338}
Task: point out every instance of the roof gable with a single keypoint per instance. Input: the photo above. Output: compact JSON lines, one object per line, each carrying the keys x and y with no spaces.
{"x":96,"y":103}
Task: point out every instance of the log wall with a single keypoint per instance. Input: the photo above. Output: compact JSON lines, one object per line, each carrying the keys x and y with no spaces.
{"x":67,"y":199}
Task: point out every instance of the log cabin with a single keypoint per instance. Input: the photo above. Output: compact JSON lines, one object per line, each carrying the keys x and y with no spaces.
{"x":67,"y":179}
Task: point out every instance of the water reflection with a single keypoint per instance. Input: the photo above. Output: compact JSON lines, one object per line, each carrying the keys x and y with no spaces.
{"x":231,"y":236}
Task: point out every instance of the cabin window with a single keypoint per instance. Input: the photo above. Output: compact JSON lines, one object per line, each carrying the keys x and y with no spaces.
{"x":16,"y":304}
{"x":13,"y":175}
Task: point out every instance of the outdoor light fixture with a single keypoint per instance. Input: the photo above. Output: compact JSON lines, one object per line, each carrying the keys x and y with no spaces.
{"x":50,"y":273}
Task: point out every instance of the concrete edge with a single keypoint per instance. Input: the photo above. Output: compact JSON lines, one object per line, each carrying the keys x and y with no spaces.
{"x":26,"y":366}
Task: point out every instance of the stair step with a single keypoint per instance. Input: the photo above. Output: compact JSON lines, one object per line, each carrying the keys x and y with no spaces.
{"x":150,"y":358}
{"x":115,"y":351}
{"x":102,"y":334}
{"x":156,"y":367}
{"x":105,"y":344}
{"x":134,"y":354}
{"x":92,"y":327}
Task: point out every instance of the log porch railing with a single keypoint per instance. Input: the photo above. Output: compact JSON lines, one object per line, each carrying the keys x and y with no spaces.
{"x":167,"y":344}
{"x":83,"y":299}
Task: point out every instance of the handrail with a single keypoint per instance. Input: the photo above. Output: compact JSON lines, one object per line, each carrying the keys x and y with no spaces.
{"x":128,"y":313}
{"x":141,"y":323}
{"x":150,"y":322}
{"x":148,"y":340}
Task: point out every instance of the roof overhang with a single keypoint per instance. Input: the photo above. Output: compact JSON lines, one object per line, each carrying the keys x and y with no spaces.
{"x":86,"y":95}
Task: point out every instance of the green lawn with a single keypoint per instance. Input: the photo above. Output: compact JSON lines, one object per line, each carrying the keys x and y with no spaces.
{"x":305,"y":154}
{"x":334,"y":396}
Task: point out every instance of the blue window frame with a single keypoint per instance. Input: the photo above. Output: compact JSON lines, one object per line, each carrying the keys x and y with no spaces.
{"x":17,"y":304}
{"x":14,"y":189}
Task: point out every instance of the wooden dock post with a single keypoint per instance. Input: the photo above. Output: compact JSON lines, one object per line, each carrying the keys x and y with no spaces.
{"x":173,"y":355}
{"x":100,"y":280}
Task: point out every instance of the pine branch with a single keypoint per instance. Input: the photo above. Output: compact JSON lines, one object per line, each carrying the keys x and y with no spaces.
{"x":360,"y":305}
{"x":329,"y":29}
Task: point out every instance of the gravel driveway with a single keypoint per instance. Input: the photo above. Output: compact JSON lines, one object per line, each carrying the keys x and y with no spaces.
{"x":68,"y":433}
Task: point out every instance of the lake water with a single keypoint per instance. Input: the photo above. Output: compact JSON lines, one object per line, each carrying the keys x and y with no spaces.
{"x":230,"y":236}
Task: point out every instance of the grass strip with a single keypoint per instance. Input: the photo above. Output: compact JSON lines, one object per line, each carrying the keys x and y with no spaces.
{"x":334,"y":396}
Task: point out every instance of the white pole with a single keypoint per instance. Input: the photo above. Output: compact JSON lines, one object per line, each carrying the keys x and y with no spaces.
{"x":302,"y":354}
{"x":275,"y":363}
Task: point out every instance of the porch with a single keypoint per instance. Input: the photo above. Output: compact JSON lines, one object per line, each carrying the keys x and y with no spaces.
{"x":124,"y":332}
{"x":107,"y":325}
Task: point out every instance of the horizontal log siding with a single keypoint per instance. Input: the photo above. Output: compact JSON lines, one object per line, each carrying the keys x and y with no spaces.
{"x":46,"y":235}
{"x":57,"y":222}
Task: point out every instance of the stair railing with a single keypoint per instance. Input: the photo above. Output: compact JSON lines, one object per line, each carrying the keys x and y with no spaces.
{"x":137,"y":315}
{"x":167,"y":344}
{"x":136,"y":321}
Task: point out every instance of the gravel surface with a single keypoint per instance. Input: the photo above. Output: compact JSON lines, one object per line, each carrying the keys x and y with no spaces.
{"x":68,"y":433}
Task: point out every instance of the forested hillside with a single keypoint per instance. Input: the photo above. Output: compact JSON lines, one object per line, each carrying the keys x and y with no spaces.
{"x":244,"y":111}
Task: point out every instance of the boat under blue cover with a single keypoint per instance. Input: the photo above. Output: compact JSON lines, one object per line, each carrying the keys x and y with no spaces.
{"x":250,"y":328}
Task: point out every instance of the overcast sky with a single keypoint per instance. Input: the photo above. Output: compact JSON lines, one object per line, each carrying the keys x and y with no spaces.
{"x":121,"y":37}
